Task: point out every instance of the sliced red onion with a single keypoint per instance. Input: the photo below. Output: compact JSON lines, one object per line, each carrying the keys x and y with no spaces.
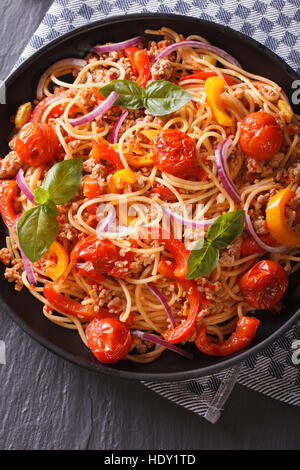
{"x":220,"y":157}
{"x":101,"y":109}
{"x":23,"y":186}
{"x":27,"y":264}
{"x":199,"y":45}
{"x":164,"y":303}
{"x":189,"y":222}
{"x":116,"y":130}
{"x":118,"y":46}
{"x":252,"y":233}
{"x":61,"y":63}
{"x":161,"y":342}
{"x":104,"y":224}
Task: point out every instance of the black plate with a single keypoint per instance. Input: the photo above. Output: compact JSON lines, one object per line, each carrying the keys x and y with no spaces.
{"x":21,"y":85}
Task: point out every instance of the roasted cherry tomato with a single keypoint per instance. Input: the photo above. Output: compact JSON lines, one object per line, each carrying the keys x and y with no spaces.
{"x":37,"y":144}
{"x":243,"y":335}
{"x":108,"y":339}
{"x":94,"y":256}
{"x":173,"y":152}
{"x":264,"y":285}
{"x":38,"y":112}
{"x":261,"y":136}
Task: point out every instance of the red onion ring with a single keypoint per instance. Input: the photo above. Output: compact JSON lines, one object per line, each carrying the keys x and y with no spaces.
{"x":27,"y":264}
{"x":163,"y":301}
{"x":189,"y":222}
{"x":101,"y":109}
{"x":252,"y":233}
{"x":199,"y":45}
{"x":61,"y":63}
{"x":154,"y":339}
{"x":118,"y":46}
{"x":220,"y":157}
{"x":116,"y":130}
{"x":23,"y":186}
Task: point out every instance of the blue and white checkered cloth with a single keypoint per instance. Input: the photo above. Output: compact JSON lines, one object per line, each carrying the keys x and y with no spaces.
{"x":276,"y":24}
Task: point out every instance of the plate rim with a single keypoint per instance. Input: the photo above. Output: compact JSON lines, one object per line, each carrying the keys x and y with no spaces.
{"x":99,"y":368}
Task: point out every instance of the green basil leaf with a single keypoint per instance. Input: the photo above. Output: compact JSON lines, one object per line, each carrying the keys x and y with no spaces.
{"x":226,"y":229}
{"x":130,"y":93}
{"x":202,"y":260}
{"x":41,"y":195}
{"x":162,"y":97}
{"x":37,"y":230}
{"x":63,"y":180}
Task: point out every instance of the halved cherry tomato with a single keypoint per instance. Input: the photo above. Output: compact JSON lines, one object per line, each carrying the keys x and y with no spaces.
{"x":69,"y":306}
{"x":261,"y":136}
{"x":37,"y":144}
{"x":8,"y":191}
{"x":243,"y":335}
{"x":91,"y":189}
{"x":94,"y":256}
{"x":103,"y":152}
{"x":250,"y":247}
{"x":264,"y":285}
{"x":164,"y":193}
{"x":204,"y":74}
{"x":108,"y":339}
{"x":173,"y":152}
{"x":38,"y":112}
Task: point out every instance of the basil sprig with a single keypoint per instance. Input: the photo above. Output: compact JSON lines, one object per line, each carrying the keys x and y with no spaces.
{"x":160,"y":97}
{"x":38,"y":227}
{"x":205,"y":254}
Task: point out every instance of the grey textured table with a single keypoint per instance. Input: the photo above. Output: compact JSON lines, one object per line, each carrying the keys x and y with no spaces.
{"x":47,"y":403}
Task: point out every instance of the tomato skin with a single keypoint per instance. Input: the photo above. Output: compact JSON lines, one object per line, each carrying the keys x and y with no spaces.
{"x":261,"y":136}
{"x":91,"y":190}
{"x":37,"y":144}
{"x":94,"y":256}
{"x":108,"y":339}
{"x":264,"y":285}
{"x":8,"y":191}
{"x":173,"y":152}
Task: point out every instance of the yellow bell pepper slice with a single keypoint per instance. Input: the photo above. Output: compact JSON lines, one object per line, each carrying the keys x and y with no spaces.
{"x":23,"y":115}
{"x":276,"y":219}
{"x":213,"y":89}
{"x":150,"y":133}
{"x":55,"y":272}
{"x":121,"y":178}
{"x":286,"y":109}
{"x":139,"y":161}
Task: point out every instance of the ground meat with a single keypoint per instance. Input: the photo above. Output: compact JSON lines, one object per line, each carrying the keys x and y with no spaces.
{"x":14,"y":274}
{"x":259,"y":224}
{"x":294,"y":173}
{"x":128,"y":68}
{"x":231,"y":253}
{"x":263,"y":199}
{"x":96,"y":170}
{"x":5,"y":256}
{"x":154,"y":48}
{"x":66,"y":230}
{"x":10,"y":165}
{"x":162,"y":69}
{"x":263,"y":168}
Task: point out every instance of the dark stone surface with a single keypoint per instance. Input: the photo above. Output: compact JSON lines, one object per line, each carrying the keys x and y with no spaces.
{"x":47,"y":403}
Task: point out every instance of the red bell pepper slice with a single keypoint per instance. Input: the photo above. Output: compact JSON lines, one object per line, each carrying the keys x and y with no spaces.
{"x":8,"y":189}
{"x":130,"y":52}
{"x":70,"y":306}
{"x":103,"y":152}
{"x":243,"y":335}
{"x":203,"y":75}
{"x":142,"y":64}
{"x":164,"y":193}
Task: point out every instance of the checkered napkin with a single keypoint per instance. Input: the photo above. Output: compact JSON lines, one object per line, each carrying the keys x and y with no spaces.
{"x":274,"y":23}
